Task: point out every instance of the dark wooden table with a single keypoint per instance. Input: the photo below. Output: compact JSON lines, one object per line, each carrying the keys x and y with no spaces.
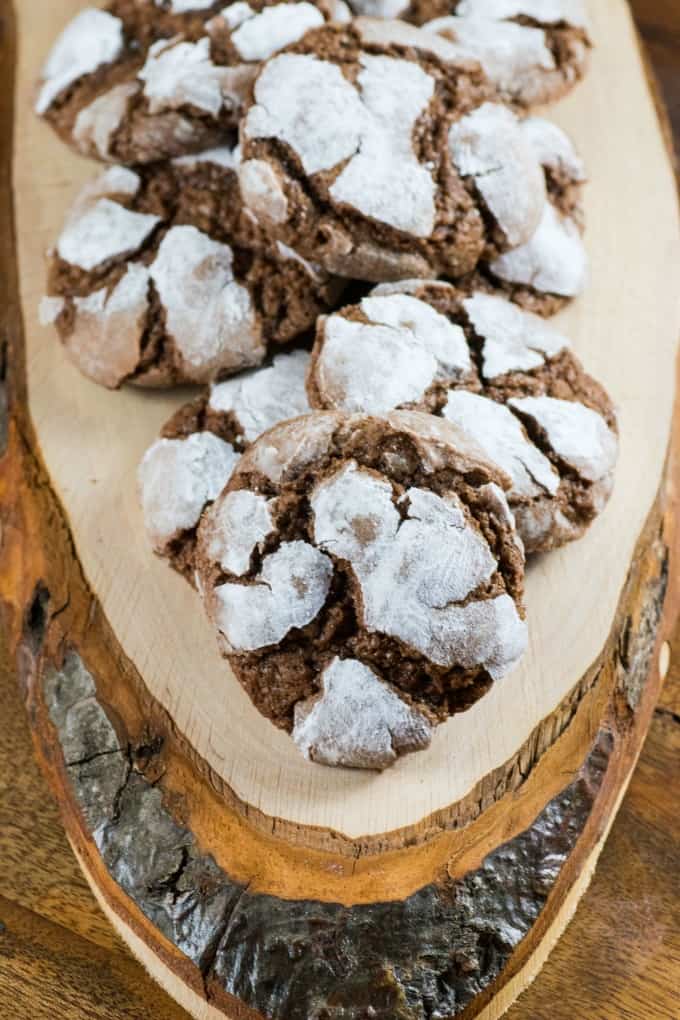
{"x":619,"y":960}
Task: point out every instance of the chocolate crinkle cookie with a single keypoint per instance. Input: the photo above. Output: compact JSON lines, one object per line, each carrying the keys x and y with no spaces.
{"x":381,"y":155}
{"x":534,"y":51}
{"x":365,"y":579}
{"x":551,"y":268}
{"x":187,"y":468}
{"x":159,"y":277}
{"x":506,"y":378}
{"x":144,"y":80}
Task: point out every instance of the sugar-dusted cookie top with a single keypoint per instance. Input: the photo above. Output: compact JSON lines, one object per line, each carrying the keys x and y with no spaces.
{"x":158,"y":277}
{"x":505,"y":377}
{"x":151,"y":79}
{"x":552,"y":267}
{"x":187,"y":468}
{"x":532,"y":50}
{"x":357,"y":565}
{"x":386,"y":156}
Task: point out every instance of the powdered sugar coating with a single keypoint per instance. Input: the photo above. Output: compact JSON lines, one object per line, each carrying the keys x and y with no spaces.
{"x":178,"y":74}
{"x":413,"y":571}
{"x":184,"y":6}
{"x":384,"y":179}
{"x":546,"y":12}
{"x":296,"y":90}
{"x":577,"y":434}
{"x":176,"y":478}
{"x":515,"y":57}
{"x":513,"y":340}
{"x":233,"y":15}
{"x":315,"y":271}
{"x":302,"y":442}
{"x":106,"y":231}
{"x":554,"y":149}
{"x":430,"y":329}
{"x":391,"y":360}
{"x":362,"y":367}
{"x":496,"y":429}
{"x":92,"y":39}
{"x":235,"y":527}
{"x":49,"y":310}
{"x":370,"y":127}
{"x":413,"y":287}
{"x":380,"y":32}
{"x":225,"y":156}
{"x":192,"y":271}
{"x":553,"y":261}
{"x":380,"y":8}
{"x":262,"y":190}
{"x":289,"y":592}
{"x":97,"y":123}
{"x":261,"y":399}
{"x":261,"y":35}
{"x":339,"y":12}
{"x":107,"y":336}
{"x":357,"y":720}
{"x":489,"y":146}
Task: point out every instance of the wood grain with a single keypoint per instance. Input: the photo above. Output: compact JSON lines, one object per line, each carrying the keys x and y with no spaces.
{"x":59,"y":958}
{"x":570,"y":623}
{"x":635,"y":1000}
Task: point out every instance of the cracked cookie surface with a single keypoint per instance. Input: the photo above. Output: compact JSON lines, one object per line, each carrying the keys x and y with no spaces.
{"x":145,"y":80}
{"x":534,"y":52}
{"x":364,"y":568}
{"x":386,"y":156}
{"x":159,"y":277}
{"x":187,"y":468}
{"x":505,"y":377}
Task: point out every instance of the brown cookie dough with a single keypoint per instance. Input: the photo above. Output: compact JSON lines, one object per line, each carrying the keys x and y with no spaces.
{"x":505,"y":377}
{"x":386,"y":157}
{"x":145,"y":80}
{"x":532,"y":50}
{"x":192,"y":461}
{"x":159,"y":277}
{"x":363,"y":566}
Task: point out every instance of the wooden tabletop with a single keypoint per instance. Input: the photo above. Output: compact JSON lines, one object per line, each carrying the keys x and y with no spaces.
{"x":619,"y":960}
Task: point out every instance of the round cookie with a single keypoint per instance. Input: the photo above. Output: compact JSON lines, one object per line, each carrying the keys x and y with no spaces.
{"x":365,"y":580}
{"x":534,"y":52}
{"x":531,"y":51}
{"x":387,"y":159}
{"x":503,"y":376}
{"x":190,"y":464}
{"x":159,"y":277}
{"x":144,"y":80}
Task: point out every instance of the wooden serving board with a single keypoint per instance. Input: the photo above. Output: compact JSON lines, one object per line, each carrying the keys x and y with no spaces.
{"x":250,"y":882}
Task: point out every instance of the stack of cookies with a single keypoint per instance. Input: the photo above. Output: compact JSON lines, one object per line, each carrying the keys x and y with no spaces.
{"x":346,"y":224}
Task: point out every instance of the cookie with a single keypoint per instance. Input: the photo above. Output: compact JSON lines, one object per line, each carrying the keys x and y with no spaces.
{"x":365,"y":580}
{"x":190,"y":464}
{"x":505,"y":377}
{"x":146,"y":80}
{"x":533,"y":52}
{"x":384,"y":159}
{"x":159,"y":277}
{"x":552,"y":267}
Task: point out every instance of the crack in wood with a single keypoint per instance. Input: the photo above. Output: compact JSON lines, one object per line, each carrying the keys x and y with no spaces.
{"x":636,"y":645}
{"x":422,"y":958}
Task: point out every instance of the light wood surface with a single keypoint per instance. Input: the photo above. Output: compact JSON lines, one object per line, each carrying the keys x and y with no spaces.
{"x":625,"y":338}
{"x":643,"y":992}
{"x":59,"y":958}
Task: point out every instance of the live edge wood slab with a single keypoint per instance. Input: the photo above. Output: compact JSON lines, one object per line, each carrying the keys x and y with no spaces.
{"x":247,"y":900}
